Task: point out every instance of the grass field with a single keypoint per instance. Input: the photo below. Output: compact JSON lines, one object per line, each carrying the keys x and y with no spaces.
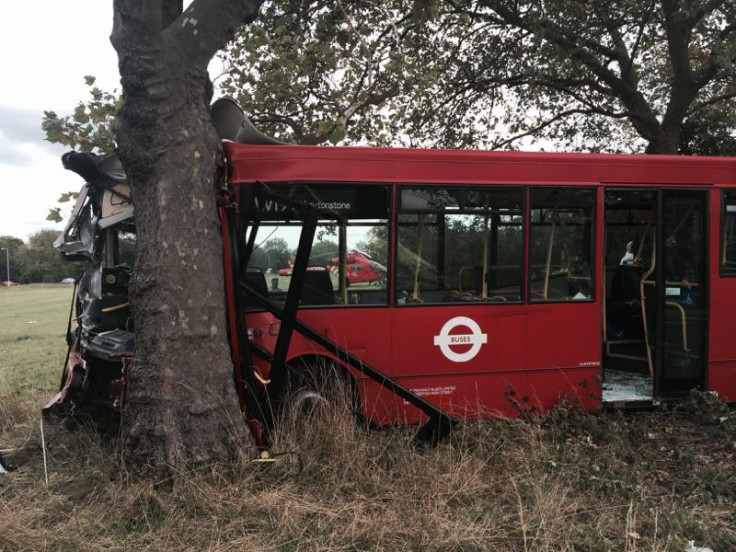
{"x":648,"y":481}
{"x":33,"y":321}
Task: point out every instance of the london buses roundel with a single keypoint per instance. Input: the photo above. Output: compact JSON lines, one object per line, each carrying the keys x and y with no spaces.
{"x":448,"y":342}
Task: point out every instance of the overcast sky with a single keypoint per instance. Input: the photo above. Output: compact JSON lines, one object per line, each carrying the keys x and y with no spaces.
{"x":47,"y":48}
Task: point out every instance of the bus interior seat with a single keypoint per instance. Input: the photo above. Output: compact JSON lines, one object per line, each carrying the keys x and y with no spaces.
{"x":625,"y":305}
{"x":491,"y":278}
{"x":496,"y":291}
{"x":317,"y":288}
{"x":371,"y":297}
{"x":256,"y":280}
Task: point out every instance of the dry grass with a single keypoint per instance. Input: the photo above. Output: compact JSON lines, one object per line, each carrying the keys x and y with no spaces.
{"x":647,"y":481}
{"x":566,"y":481}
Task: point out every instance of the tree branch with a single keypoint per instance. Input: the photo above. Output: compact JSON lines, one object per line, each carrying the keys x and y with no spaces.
{"x":643,"y":118}
{"x":545,"y":124}
{"x":135,"y":18}
{"x":206,"y":26}
{"x":678,"y":31}
{"x":712,"y":101}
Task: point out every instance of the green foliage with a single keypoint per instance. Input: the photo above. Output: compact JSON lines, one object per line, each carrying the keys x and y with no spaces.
{"x":273,"y":253}
{"x":36,"y":261}
{"x":55,"y":212}
{"x":375,"y":244}
{"x":489,"y":74}
{"x":712,"y":132}
{"x":316,"y":72}
{"x":90,"y":127}
{"x":473,"y":73}
{"x":323,"y":251}
{"x":54,"y":215}
{"x":15,"y":249}
{"x":596,"y":76}
{"x":68,"y":196}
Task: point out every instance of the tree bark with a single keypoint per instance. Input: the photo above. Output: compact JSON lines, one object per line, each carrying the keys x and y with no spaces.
{"x":182,"y":409}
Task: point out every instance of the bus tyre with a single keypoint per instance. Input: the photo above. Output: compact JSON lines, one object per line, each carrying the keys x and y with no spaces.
{"x":305,"y":403}
{"x":317,"y":389}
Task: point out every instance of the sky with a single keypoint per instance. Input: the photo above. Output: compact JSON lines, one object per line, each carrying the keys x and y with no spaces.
{"x":44,"y":61}
{"x":47,"y":48}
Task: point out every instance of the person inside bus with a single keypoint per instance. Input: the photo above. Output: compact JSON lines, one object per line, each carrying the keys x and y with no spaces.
{"x":628,"y":257}
{"x":624,"y":309}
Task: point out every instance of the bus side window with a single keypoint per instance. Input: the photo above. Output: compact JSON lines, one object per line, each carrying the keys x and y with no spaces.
{"x":459,"y":245}
{"x":728,"y":235}
{"x":354,"y":243}
{"x":561,"y":258}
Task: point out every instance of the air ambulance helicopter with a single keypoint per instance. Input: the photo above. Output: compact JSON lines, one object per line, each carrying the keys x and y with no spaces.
{"x":360,"y":268}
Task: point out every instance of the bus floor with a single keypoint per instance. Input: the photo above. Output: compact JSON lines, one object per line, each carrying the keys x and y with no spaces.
{"x":620,"y":386}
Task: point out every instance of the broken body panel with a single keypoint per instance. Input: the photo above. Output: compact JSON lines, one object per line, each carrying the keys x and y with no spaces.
{"x":100,"y":238}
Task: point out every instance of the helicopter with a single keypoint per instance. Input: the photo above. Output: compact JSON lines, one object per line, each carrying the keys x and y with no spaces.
{"x":360,"y":268}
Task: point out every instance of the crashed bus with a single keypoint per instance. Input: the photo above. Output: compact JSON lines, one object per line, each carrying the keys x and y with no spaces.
{"x":509,"y":282}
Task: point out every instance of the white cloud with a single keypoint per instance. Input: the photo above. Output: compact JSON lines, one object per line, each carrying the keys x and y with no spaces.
{"x":27,"y":192}
{"x":48,"y":47}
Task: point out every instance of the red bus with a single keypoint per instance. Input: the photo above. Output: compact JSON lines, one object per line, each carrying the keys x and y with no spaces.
{"x":513,"y":281}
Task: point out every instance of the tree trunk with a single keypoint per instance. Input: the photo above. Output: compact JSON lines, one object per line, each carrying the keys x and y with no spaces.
{"x":664,"y":142}
{"x":182,"y":404}
{"x":182,"y":408}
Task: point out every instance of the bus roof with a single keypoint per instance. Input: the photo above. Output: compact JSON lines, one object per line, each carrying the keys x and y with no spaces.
{"x":269,"y":163}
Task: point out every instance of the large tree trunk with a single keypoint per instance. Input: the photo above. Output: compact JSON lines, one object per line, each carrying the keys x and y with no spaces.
{"x":182,"y":408}
{"x":662,"y":141}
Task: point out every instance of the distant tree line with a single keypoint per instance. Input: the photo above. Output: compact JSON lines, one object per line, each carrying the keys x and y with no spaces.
{"x":35,"y":261}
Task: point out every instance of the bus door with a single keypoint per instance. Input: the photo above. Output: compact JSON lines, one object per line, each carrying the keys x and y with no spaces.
{"x":655,"y":310}
{"x":682,"y":292}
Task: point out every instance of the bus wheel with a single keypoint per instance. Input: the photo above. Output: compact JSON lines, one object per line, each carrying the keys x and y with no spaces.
{"x":317,"y":388}
{"x":305,"y":403}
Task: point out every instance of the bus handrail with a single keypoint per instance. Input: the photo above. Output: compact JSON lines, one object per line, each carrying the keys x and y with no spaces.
{"x":642,"y":282}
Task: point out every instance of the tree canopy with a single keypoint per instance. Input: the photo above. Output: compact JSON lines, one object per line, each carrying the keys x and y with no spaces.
{"x":90,"y":127}
{"x":622,"y":75}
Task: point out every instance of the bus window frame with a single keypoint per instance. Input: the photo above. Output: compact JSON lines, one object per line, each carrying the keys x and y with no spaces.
{"x":523,"y":211}
{"x":722,"y":237}
{"x":295,"y":222}
{"x":593,"y":250}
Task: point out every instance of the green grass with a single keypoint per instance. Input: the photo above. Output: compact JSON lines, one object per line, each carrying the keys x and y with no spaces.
{"x":33,"y":321}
